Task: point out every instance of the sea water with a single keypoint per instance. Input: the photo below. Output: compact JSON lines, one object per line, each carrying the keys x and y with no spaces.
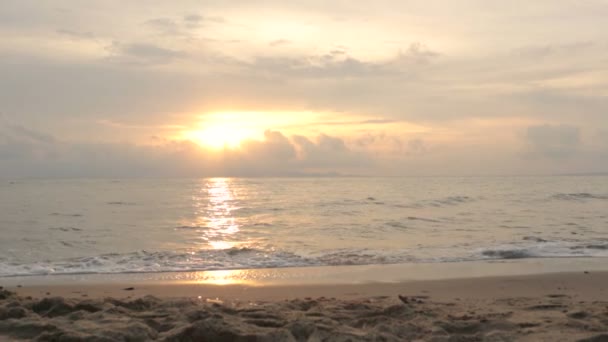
{"x":158,"y":225}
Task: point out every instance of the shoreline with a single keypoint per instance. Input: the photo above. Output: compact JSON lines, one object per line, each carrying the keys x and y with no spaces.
{"x":588,"y":285}
{"x":326,"y":275}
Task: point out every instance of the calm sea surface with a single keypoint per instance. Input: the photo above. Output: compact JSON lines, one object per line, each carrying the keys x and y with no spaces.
{"x":119,"y":226}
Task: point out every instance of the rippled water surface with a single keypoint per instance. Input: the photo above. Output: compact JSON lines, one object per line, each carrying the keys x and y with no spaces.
{"x":113,"y":226}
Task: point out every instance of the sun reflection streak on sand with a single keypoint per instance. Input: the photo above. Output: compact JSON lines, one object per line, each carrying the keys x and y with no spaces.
{"x":226,"y":277}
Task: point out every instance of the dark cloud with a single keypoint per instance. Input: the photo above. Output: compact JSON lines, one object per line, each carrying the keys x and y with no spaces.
{"x":164,"y":25}
{"x":143,"y":53}
{"x":76,"y":34}
{"x":553,"y":141}
{"x":27,"y":153}
{"x":196,"y":19}
{"x":338,"y":64}
{"x":328,"y":150}
{"x":193,"y":18}
{"x":184,"y":26}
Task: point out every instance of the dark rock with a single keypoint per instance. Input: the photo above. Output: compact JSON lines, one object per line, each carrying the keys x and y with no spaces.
{"x":88,"y":306}
{"x":197,"y":315}
{"x":140,"y":304}
{"x":596,"y":338}
{"x":4,"y":294}
{"x":460,"y":327}
{"x":218,"y":330}
{"x":69,"y":336}
{"x":133,"y":331}
{"x":267,"y":323}
{"x":302,"y":329}
{"x":397,"y":311}
{"x":25,"y":329}
{"x":578,"y":315}
{"x":14,"y":312}
{"x":52,"y":307}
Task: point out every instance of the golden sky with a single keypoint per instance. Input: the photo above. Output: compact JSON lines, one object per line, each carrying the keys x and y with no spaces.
{"x":289,"y":87}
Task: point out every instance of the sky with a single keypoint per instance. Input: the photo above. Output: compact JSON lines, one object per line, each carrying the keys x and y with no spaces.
{"x":185,"y":88}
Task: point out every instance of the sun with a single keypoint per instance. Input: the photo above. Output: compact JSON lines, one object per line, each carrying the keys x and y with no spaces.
{"x":229,"y":129}
{"x":220,"y":135}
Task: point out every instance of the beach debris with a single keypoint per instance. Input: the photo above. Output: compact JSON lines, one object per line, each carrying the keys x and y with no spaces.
{"x":129,"y":289}
{"x":413,"y":299}
{"x":214,"y":301}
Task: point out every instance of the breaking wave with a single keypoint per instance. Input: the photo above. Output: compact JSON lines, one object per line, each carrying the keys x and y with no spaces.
{"x":250,"y":258}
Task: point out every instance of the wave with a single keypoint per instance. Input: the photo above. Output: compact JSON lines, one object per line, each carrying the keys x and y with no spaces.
{"x":508,"y":254}
{"x":251,"y":258}
{"x":442,"y":202}
{"x":153,"y":262}
{"x":120,"y":203}
{"x":579,"y":196}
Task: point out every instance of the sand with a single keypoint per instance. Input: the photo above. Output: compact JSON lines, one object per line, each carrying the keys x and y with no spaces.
{"x":570,"y":306}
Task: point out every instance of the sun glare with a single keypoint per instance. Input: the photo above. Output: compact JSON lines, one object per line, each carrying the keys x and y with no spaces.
{"x":217,"y":130}
{"x":220,"y":136}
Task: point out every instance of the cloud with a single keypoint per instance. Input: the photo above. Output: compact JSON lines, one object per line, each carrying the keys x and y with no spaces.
{"x":164,"y":25}
{"x":279,"y":42}
{"x":553,"y":141}
{"x":392,"y":146}
{"x":554,"y":50}
{"x":338,"y":64}
{"x":416,"y":53}
{"x":328,"y":150}
{"x":76,"y":34}
{"x":28,"y":153}
{"x":197,"y":19}
{"x":143,"y":53}
{"x":407,"y":63}
{"x":182,"y":27}
{"x":417,"y":146}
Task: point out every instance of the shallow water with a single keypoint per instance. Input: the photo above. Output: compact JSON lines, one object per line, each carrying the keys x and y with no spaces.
{"x":122,"y":226}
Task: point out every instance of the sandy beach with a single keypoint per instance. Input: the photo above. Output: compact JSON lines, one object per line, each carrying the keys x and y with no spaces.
{"x":565,"y":306}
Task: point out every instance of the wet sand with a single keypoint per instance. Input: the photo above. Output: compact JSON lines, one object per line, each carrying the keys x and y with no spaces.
{"x":568,"y":306}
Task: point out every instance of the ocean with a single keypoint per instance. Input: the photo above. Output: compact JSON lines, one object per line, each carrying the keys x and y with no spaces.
{"x":54,"y":227}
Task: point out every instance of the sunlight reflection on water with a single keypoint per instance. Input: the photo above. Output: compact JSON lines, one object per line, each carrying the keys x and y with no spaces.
{"x":224,"y":278}
{"x":214,"y":209}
